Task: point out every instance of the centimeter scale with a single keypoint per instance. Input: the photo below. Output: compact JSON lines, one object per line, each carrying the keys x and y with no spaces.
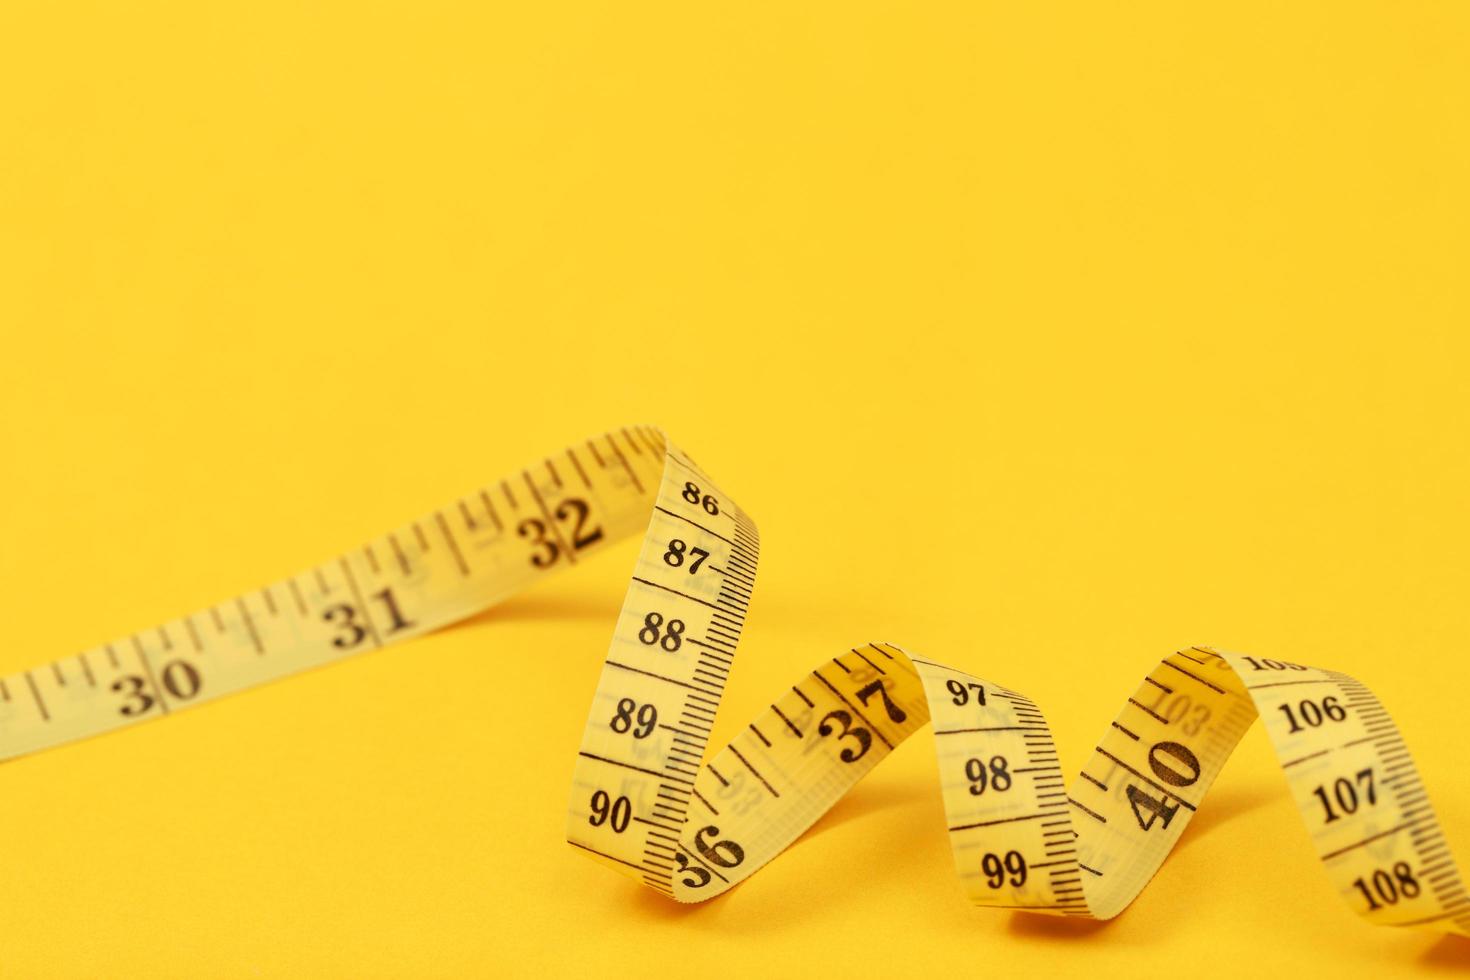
{"x":645,"y":802}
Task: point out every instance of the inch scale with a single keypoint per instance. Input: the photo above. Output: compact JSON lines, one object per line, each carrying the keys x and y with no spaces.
{"x":647,"y":803}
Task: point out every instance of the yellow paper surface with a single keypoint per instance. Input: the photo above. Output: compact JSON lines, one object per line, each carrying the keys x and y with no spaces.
{"x":1042,"y":341}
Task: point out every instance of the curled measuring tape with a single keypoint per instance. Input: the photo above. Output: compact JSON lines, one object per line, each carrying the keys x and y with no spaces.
{"x":645,"y":803}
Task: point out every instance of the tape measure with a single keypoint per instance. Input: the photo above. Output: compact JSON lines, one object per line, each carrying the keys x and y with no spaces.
{"x":645,"y":802}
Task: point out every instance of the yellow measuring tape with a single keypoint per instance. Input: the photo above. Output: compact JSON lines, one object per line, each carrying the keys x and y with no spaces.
{"x":644,"y":801}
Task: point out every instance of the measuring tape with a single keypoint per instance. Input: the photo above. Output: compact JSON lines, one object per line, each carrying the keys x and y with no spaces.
{"x":646,"y":804}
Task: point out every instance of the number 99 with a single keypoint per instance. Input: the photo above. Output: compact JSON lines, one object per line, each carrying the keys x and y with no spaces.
{"x":997,"y":868}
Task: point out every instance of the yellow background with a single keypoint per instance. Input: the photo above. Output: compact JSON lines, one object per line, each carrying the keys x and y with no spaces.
{"x":1041,"y":339}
